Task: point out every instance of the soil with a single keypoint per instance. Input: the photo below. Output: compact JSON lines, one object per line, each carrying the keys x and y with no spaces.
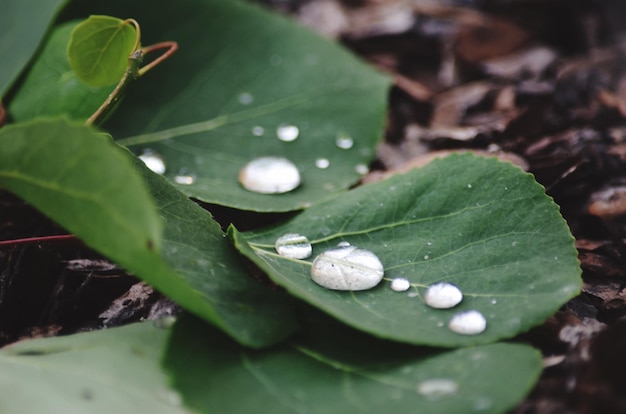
{"x":539,"y":83}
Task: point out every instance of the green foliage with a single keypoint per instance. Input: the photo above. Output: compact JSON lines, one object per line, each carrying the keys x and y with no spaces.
{"x":486,"y":226}
{"x":99,"y":48}
{"x":480,"y":224}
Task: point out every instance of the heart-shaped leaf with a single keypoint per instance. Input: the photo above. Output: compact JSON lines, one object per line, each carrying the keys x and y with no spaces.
{"x":52,"y":88}
{"x":108,"y":371}
{"x":220,"y":100}
{"x":336,"y":373}
{"x":480,"y":224}
{"x":89,"y":185}
{"x":23,"y":23}
{"x":99,"y":48}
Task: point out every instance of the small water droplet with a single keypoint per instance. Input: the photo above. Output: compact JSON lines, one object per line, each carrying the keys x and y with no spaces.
{"x":344,"y":141}
{"x":494,"y":301}
{"x":429,"y":243}
{"x":184,"y":177}
{"x":287,"y":133}
{"x":258,"y":131}
{"x":246,"y":98}
{"x":437,"y":388}
{"x":556,"y":257}
{"x":269,"y":175}
{"x":440,"y":324}
{"x":426,"y":257}
{"x":293,"y":246}
{"x":347,"y":268}
{"x":322,"y":163}
{"x":443,"y":295}
{"x":514,"y":244}
{"x":469,"y":322}
{"x":469,"y":186}
{"x":400,"y":284}
{"x":413,"y":294}
{"x":153,"y":161}
{"x":343,"y":244}
{"x":362,"y":169}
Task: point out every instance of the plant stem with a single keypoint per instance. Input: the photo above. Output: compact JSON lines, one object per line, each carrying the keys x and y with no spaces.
{"x":40,"y":239}
{"x":171,"y":48}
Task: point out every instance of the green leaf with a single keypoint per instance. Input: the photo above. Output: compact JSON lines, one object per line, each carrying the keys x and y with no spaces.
{"x":108,"y":371}
{"x":200,"y":108}
{"x":52,"y":88}
{"x":90,"y":186}
{"x":341,"y":373}
{"x":99,"y":48}
{"x":23,"y":23}
{"x":480,"y":224}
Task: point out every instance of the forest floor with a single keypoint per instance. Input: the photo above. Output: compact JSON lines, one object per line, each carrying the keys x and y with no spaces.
{"x":539,"y":83}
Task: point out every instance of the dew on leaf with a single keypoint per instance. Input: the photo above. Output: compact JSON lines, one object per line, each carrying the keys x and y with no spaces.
{"x":269,"y":175}
{"x":153,"y":161}
{"x":400,"y":284}
{"x":322,"y":163}
{"x":347,"y":268}
{"x":258,"y":131}
{"x":184,"y":177}
{"x":361,"y":169}
{"x":469,"y":322}
{"x":287,"y":133}
{"x":293,"y":246}
{"x":494,"y":301}
{"x":343,"y":244}
{"x":246,"y":98}
{"x":344,"y":141}
{"x":443,"y":295}
{"x":437,"y":388}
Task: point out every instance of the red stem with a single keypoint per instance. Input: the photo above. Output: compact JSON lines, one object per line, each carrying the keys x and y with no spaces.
{"x":40,"y":239}
{"x":169,"y":45}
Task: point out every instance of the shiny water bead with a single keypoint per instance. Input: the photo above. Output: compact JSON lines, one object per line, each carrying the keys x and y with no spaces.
{"x":400,"y":284}
{"x":437,"y":388}
{"x":470,"y":322}
{"x":269,"y":175}
{"x":344,"y":141}
{"x":322,"y":163}
{"x":343,"y":244}
{"x":443,"y":295}
{"x":293,"y":246}
{"x":287,"y":133}
{"x":153,"y":161}
{"x":347,"y":268}
{"x":184,"y":177}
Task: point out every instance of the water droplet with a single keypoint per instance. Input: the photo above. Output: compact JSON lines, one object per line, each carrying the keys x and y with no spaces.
{"x":322,"y":163}
{"x":347,"y":268}
{"x":426,"y":257}
{"x":494,"y":301}
{"x":246,"y":98}
{"x":184,"y":177}
{"x":269,"y":175}
{"x":153,"y":161}
{"x":429,"y":243}
{"x":344,"y":141}
{"x":287,"y":133}
{"x":361,"y":169}
{"x":469,"y":186}
{"x":293,"y":246}
{"x":400,"y":284}
{"x":413,"y":294}
{"x":437,"y":388}
{"x":482,"y":404}
{"x":443,"y":295}
{"x":343,"y":244}
{"x":514,"y":244}
{"x":258,"y":131}
{"x":469,"y":322}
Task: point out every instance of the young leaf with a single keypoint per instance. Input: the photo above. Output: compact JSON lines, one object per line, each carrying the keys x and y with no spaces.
{"x":90,"y":186}
{"x":108,"y":371}
{"x":52,"y":88}
{"x":23,"y":23}
{"x":99,"y":48}
{"x":480,"y":224}
{"x":218,"y":103}
{"x":352,"y":375}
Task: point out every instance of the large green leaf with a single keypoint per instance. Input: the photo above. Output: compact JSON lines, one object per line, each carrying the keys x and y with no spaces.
{"x":108,"y":371}
{"x":52,"y":88}
{"x":336,"y":372}
{"x":89,"y":185}
{"x":483,"y":225}
{"x":237,"y":68}
{"x":23,"y":23}
{"x":99,"y":48}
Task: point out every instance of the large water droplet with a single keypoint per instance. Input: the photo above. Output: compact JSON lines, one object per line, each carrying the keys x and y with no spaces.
{"x":400,"y":284}
{"x":437,"y":388}
{"x":347,"y":268}
{"x":322,"y":163}
{"x":470,"y":322}
{"x":443,"y":295}
{"x":287,"y":133}
{"x":344,"y":141}
{"x":184,"y":177}
{"x":246,"y":98}
{"x":269,"y":175}
{"x":293,"y":246}
{"x":153,"y":161}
